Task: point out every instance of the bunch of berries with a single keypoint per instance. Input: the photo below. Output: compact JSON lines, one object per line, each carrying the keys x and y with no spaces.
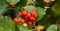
{"x":28,"y":17}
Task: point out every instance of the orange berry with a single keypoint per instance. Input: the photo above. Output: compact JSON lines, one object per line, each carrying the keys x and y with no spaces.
{"x":22,"y":20}
{"x":16,"y":20}
{"x":30,"y":23}
{"x":12,"y":5}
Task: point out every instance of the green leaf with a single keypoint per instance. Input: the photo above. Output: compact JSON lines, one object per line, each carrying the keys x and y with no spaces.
{"x":52,"y":27}
{"x":40,"y":12}
{"x":56,"y":8}
{"x":7,"y":24}
{"x":3,"y":6}
{"x":22,"y":28}
{"x":29,"y":8}
{"x":13,"y":1}
{"x":4,"y":27}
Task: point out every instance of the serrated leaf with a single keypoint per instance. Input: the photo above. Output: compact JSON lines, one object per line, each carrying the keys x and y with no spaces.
{"x":11,"y":24}
{"x":22,"y":28}
{"x":13,"y":1}
{"x":56,"y":8}
{"x":29,"y":8}
{"x":3,"y":6}
{"x":40,"y":12}
{"x":4,"y":27}
{"x":7,"y":24}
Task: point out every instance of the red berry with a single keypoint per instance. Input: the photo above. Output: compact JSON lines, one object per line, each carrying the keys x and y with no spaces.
{"x":30,"y":23}
{"x":44,"y":3}
{"x":24,"y":12}
{"x":16,"y":20}
{"x":48,"y":16}
{"x":34,"y":14}
{"x":50,"y":2}
{"x":28,"y":14}
{"x":20,"y":14}
{"x":22,"y":20}
{"x":12,"y":5}
{"x":32,"y":19}
{"x":27,"y":18}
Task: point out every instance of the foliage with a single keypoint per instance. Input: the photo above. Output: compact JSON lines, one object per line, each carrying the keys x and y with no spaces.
{"x":7,"y":23}
{"x":56,"y":8}
{"x":3,"y":6}
{"x":41,"y":12}
{"x":22,"y":28}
